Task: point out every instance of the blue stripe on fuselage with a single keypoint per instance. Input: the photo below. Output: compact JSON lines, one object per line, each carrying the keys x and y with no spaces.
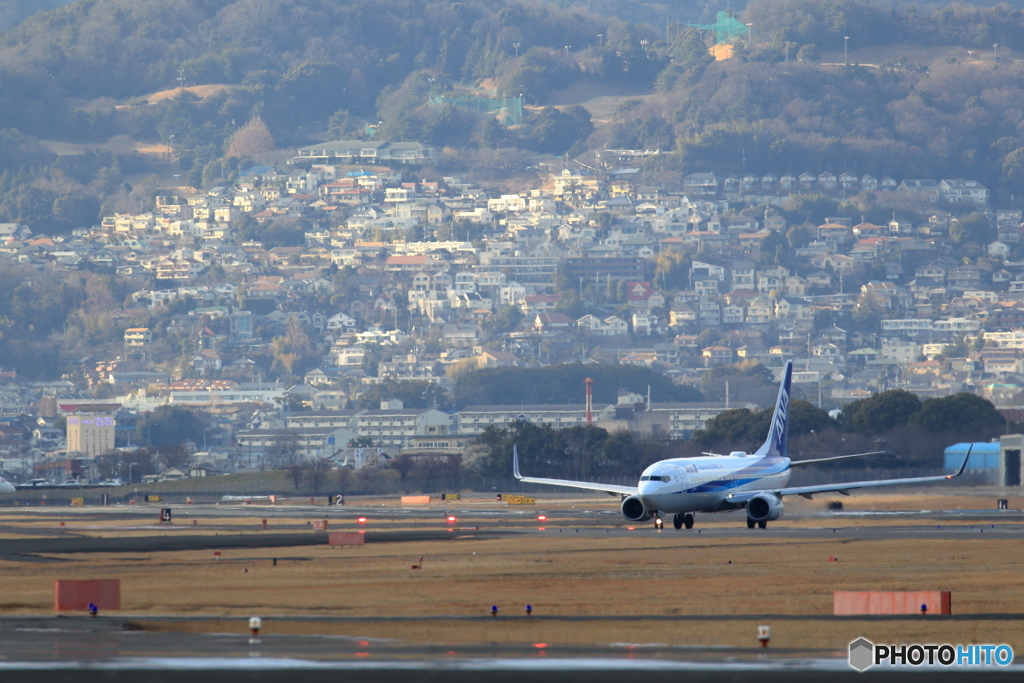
{"x":764,"y":467}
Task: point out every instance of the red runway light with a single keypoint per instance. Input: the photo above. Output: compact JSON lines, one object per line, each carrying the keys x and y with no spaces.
{"x":542,"y":518}
{"x":451,"y":519}
{"x":361,"y":520}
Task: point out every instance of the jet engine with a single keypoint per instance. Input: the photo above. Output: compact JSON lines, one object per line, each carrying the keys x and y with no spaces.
{"x":633,"y":510}
{"x":764,"y":507}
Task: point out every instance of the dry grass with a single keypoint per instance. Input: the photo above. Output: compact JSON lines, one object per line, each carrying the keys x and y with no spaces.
{"x":563,"y":574}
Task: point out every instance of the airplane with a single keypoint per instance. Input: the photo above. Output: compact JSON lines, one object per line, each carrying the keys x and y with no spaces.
{"x":6,"y":486}
{"x":721,"y":483}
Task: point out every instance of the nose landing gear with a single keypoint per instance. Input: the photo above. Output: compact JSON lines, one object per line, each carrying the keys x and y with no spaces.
{"x":679,"y":520}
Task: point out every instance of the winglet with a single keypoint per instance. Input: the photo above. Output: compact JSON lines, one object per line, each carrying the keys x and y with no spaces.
{"x":963,"y":467}
{"x":515,"y":462}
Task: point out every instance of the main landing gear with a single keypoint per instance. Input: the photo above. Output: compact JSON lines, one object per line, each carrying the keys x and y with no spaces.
{"x":679,"y":520}
{"x":763,"y":524}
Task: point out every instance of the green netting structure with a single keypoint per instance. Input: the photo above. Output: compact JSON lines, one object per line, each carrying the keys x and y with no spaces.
{"x":726,"y":28}
{"x":508,"y":110}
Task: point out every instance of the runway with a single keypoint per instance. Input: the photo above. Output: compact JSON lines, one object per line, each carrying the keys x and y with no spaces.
{"x":199,"y":647}
{"x":99,"y":650}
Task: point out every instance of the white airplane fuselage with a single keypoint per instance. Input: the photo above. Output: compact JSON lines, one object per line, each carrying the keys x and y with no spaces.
{"x":702,"y":484}
{"x":6,"y":486}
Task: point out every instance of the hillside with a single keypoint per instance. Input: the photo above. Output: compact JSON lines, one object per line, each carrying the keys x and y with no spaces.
{"x":122,"y":75}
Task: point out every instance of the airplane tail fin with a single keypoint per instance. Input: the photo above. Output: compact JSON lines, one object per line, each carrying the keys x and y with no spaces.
{"x":515,"y":462}
{"x":778,"y":436}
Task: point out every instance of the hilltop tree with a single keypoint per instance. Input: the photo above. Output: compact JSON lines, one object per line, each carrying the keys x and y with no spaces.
{"x":250,"y":140}
{"x":962,"y":413}
{"x":880,"y":413}
{"x":169,"y":426}
{"x":745,"y":429}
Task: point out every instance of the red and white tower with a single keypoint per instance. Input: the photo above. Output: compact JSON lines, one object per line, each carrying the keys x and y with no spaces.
{"x":589,"y":384}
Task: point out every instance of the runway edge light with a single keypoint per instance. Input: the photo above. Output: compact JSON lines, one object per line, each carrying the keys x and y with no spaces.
{"x":764,"y":634}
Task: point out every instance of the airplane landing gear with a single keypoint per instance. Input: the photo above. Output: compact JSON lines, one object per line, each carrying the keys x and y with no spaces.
{"x":680,"y":519}
{"x":750,"y":523}
{"x":763,"y":524}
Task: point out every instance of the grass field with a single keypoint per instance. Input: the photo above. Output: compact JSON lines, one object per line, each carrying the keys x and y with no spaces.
{"x":560,"y":573}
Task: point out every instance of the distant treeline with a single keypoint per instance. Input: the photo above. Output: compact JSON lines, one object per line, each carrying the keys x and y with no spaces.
{"x":896,"y":421}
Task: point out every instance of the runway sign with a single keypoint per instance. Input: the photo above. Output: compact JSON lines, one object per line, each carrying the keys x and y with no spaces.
{"x":519,"y":500}
{"x":415,"y":500}
{"x":345,"y":538}
{"x":153,"y":499}
{"x":75,"y":595}
{"x":78,"y":502}
{"x":890,"y":602}
{"x":451,"y":496}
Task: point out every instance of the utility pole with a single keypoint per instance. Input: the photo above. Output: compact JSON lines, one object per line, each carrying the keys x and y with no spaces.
{"x":846,"y":42}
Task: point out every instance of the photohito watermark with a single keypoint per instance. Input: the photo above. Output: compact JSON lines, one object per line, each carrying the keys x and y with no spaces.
{"x":864,"y":654}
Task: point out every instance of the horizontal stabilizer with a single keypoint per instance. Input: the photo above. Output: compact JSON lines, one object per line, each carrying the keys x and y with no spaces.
{"x":794,"y":463}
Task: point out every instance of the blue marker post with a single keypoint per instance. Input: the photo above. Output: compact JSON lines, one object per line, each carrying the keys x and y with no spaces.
{"x":93,"y":610}
{"x":494,"y":610}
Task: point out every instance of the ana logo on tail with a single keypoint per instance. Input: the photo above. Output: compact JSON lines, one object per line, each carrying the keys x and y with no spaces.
{"x":775,"y":445}
{"x":779,"y":423}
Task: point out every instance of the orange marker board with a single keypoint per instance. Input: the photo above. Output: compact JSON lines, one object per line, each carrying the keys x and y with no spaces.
{"x":890,"y":602}
{"x":345,"y":538}
{"x":75,"y":595}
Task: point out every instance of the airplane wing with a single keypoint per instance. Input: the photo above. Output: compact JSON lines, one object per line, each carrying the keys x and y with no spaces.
{"x":607,"y":488}
{"x":845,"y":487}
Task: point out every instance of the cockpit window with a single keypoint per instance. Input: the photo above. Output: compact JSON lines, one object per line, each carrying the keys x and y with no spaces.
{"x":655,"y":477}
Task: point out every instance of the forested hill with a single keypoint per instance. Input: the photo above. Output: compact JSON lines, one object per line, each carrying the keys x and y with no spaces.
{"x":324,"y":54}
{"x":925,"y":93}
{"x":13,"y":12}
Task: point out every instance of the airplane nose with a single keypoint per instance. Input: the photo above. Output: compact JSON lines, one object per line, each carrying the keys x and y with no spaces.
{"x":649,"y":487}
